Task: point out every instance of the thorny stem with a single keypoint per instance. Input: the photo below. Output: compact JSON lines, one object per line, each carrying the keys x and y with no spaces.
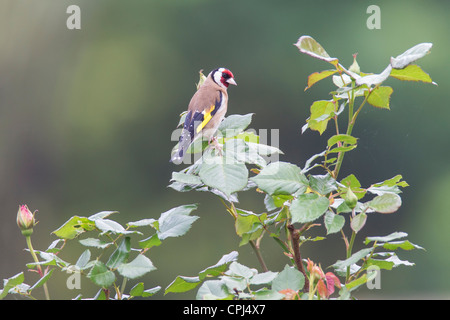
{"x":295,"y":237}
{"x":33,"y":254}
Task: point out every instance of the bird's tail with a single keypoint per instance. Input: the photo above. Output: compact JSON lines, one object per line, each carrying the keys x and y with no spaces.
{"x":183,"y":144}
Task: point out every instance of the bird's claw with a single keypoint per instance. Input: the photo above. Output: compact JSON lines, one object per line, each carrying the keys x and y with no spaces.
{"x":216,"y":145}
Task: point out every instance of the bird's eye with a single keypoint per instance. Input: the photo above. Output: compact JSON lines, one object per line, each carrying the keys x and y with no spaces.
{"x":225,"y":75}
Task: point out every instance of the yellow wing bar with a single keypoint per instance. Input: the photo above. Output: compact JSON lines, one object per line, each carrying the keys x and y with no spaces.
{"x":206,"y":117}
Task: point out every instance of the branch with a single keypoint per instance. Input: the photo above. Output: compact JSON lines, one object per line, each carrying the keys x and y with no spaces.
{"x":295,"y":241}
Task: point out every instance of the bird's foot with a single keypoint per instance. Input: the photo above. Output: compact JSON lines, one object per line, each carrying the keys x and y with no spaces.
{"x":216,"y":145}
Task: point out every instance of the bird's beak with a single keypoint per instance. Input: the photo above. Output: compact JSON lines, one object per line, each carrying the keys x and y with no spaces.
{"x":231,"y":81}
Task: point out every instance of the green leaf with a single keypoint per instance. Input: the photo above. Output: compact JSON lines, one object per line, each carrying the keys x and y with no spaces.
{"x":42,"y":280}
{"x":342,"y":264}
{"x":397,"y":262}
{"x":101,"y":215}
{"x":93,"y":242}
{"x":342,"y":149}
{"x":74,"y":227}
{"x":49,"y":259}
{"x":280,"y":199}
{"x":289,"y":278}
{"x":52,"y":248}
{"x":226,"y":176}
{"x":143,"y":223}
{"x":308,"y":207}
{"x":183,"y":284}
{"x":175,"y":222}
{"x":120,"y":255}
{"x":317,"y":76}
{"x":219,"y":267}
{"x":382,"y":264}
{"x":138,"y":291}
{"x":182,"y":118}
{"x":239,"y":270}
{"x":358,"y":222}
{"x":83,"y":259}
{"x":323,"y":184}
{"x":263,"y":278}
{"x":388,"y":186}
{"x":308,"y":162}
{"x":197,"y":146}
{"x":374,"y":79}
{"x":352,"y":182}
{"x":247,"y":221}
{"x":263,"y":149}
{"x":405,"y":245}
{"x":379,"y":97}
{"x":107,"y":225}
{"x":152,"y":241}
{"x":311,"y":47}
{"x":213,"y":289}
{"x":235,"y":124}
{"x":390,"y":237}
{"x":386,"y":203}
{"x":411,"y":73}
{"x":395,"y":181}
{"x":10,"y":283}
{"x":186,"y":178}
{"x":237,"y":151}
{"x":281,"y":178}
{"x":352,"y":285}
{"x":248,"y":136}
{"x":266,"y":294}
{"x":136,"y":268}
{"x":183,"y":210}
{"x":344,"y":138}
{"x":236,"y":283}
{"x":101,"y":276}
{"x":150,"y":292}
{"x":321,"y":112}
{"x":411,"y":55}
{"x":333,"y":222}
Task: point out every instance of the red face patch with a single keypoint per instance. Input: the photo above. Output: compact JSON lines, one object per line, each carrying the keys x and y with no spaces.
{"x":226,"y":74}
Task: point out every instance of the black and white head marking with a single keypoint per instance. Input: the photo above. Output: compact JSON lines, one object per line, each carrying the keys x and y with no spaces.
{"x":223,"y":77}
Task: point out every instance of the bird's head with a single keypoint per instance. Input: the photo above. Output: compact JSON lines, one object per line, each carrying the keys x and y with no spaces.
{"x":223,"y":77}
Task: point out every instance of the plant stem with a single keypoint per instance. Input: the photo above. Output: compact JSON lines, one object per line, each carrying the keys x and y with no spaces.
{"x":311,"y":289}
{"x":295,"y":237}
{"x":33,"y":254}
{"x":349,"y":253}
{"x":349,"y":132}
{"x":258,"y":255}
{"x":232,"y":210}
{"x":351,"y":122}
{"x":122,"y":288}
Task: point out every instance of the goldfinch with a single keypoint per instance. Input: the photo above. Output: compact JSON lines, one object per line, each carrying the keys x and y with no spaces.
{"x":206,"y":110}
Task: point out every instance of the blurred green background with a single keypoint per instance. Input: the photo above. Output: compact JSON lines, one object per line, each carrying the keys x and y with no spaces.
{"x":86,"y":118}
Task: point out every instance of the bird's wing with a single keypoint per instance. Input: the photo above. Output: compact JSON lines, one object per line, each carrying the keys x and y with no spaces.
{"x":202,"y":109}
{"x":201,"y":112}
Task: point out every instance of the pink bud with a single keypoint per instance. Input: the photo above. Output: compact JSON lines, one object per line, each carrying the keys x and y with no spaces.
{"x":25,"y":220}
